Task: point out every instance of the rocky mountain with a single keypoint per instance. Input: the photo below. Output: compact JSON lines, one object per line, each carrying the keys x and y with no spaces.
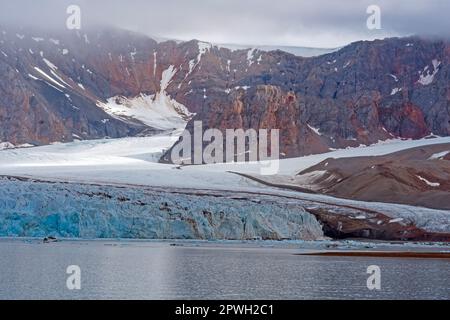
{"x":418,"y":176}
{"x":298,"y":51}
{"x":114,"y":83}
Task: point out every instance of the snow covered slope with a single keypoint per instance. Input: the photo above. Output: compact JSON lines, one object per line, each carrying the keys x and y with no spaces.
{"x":159,"y":111}
{"x":93,"y":161}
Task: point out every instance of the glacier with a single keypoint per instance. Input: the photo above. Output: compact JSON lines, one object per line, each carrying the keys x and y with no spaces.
{"x":30,"y":208}
{"x":57,"y":192}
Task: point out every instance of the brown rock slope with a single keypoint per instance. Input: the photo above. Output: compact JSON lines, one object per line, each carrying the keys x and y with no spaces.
{"x":418,"y":176}
{"x":52,"y":84}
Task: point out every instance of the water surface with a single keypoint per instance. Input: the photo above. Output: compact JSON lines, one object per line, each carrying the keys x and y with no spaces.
{"x":157,"y":270}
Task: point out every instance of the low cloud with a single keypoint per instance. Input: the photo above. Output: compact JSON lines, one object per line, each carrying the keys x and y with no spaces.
{"x":319,"y":23}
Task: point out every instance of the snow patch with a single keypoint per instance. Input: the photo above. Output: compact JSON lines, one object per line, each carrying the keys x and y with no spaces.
{"x":394,"y":77}
{"x":59,"y":78}
{"x":6,"y":145}
{"x":427,"y":76}
{"x":53,"y":68}
{"x":431,"y":184}
{"x":203,"y":47}
{"x":259,"y":59}
{"x":48,"y":77}
{"x":49,"y":64}
{"x":167,"y":76}
{"x":250,"y":56}
{"x":310,"y":179}
{"x":133,"y":54}
{"x":159,"y":111}
{"x":54,"y":41}
{"x":438,"y":156}
{"x":33,"y":77}
{"x":395,"y":91}
{"x":316,"y":130}
{"x":242,"y":87}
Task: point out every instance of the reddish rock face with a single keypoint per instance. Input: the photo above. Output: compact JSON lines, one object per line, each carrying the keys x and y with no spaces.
{"x":409,"y":121}
{"x":418,"y":176}
{"x":365,"y":92}
{"x":378,"y":226}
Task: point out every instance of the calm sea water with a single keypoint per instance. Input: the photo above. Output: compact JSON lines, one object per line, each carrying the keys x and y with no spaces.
{"x":156,"y":270}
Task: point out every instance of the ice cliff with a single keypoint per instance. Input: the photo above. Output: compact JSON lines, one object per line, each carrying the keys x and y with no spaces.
{"x":37,"y":209}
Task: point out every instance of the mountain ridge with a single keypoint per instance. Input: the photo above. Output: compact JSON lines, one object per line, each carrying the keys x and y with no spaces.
{"x":360,"y":94}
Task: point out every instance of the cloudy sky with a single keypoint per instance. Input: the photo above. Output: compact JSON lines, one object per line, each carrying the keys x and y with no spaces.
{"x":317,"y":23}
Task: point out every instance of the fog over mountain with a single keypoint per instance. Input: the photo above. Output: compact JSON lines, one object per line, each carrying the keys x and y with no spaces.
{"x":322,"y":23}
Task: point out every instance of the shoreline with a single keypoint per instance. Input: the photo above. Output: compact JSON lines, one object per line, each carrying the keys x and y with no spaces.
{"x":380,"y":254}
{"x":324,"y":247}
